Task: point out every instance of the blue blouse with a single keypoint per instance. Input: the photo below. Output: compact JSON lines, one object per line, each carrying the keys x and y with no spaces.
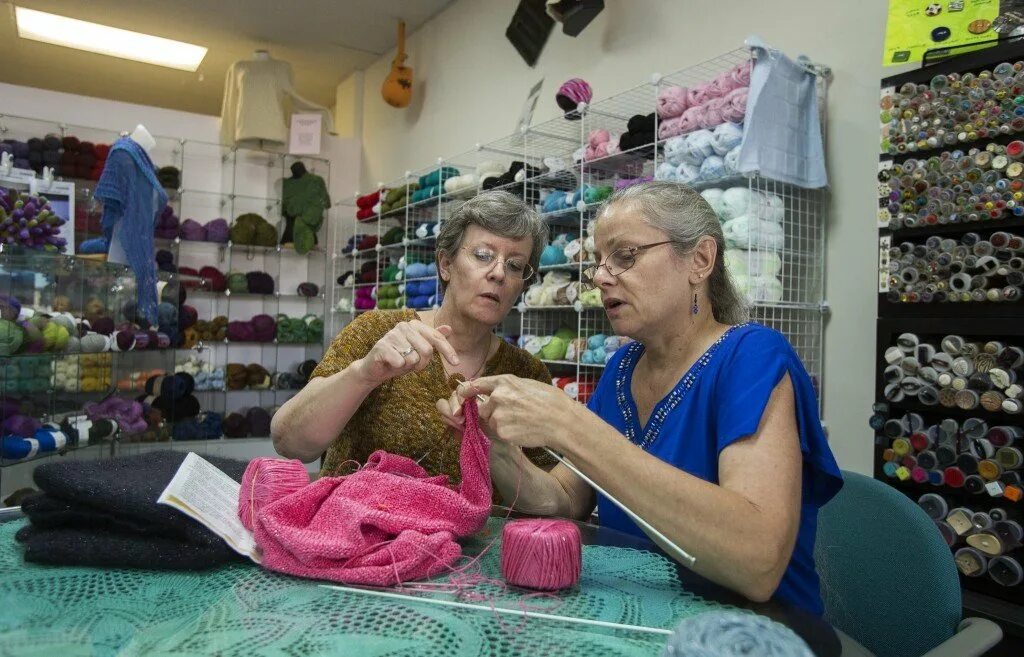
{"x":719,"y":401}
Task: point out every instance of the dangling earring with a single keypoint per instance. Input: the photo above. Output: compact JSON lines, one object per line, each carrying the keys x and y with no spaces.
{"x":695,"y":309}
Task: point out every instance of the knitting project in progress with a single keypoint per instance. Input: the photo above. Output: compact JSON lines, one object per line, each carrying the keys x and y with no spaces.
{"x":385,"y":524}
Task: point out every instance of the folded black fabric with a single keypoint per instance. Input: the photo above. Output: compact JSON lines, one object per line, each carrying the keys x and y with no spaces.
{"x":104,"y":514}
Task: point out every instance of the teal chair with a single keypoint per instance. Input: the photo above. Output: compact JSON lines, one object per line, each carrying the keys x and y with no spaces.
{"x":888,"y":580}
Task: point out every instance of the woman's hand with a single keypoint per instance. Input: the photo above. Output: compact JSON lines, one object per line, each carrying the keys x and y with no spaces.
{"x":406,"y":348}
{"x":523,"y":412}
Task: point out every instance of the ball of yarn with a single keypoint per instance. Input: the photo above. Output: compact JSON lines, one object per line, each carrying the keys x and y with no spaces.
{"x":10,"y":307}
{"x":571,"y":94}
{"x":541,"y":554}
{"x":11,"y":337}
{"x":21,"y":425}
{"x":236,"y":426}
{"x":267,"y":480}
{"x":734,"y":633}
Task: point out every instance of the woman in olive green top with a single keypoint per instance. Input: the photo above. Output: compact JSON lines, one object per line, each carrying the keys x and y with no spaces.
{"x":378,"y":383}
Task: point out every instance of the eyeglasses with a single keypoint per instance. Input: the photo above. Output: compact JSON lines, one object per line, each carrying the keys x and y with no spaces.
{"x":514,"y":267}
{"x":617,"y":262}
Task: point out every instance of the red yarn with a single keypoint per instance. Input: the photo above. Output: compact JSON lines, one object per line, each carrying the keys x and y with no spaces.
{"x":385,"y":524}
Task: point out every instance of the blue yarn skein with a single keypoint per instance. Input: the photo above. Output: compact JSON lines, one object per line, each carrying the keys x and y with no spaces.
{"x":432,"y":269}
{"x":415,"y":270}
{"x":552,"y":255}
{"x":596,"y":341}
{"x":734,"y":634}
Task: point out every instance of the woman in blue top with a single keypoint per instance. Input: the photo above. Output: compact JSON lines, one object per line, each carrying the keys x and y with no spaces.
{"x":706,"y":427}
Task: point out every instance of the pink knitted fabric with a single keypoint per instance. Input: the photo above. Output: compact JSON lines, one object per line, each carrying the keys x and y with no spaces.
{"x":385,"y":524}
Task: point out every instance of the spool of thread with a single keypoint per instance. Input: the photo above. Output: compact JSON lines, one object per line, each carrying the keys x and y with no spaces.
{"x":541,"y":554}
{"x":267,"y":480}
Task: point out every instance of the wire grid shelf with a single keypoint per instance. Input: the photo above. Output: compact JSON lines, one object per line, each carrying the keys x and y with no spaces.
{"x":789,"y":298}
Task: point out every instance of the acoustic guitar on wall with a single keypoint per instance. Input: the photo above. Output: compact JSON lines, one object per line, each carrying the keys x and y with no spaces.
{"x":397,"y":87}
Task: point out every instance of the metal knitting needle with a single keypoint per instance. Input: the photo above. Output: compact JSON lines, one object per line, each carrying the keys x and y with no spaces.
{"x":679,"y":553}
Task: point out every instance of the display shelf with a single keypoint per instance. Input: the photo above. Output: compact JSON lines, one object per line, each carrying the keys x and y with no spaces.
{"x":551,"y":151}
{"x":572,"y":363}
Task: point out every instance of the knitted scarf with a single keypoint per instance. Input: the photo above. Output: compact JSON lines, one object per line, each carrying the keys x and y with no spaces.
{"x":132,"y":198}
{"x":385,"y":524}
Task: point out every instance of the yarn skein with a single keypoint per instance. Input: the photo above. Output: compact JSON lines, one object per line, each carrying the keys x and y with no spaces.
{"x":541,"y":554}
{"x":267,"y":480}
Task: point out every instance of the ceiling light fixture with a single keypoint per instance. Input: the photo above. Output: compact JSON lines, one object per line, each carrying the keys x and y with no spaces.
{"x":93,"y":37}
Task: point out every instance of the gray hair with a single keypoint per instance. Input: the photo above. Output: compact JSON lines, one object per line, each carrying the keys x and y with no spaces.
{"x":685,"y":217}
{"x":497,"y":212}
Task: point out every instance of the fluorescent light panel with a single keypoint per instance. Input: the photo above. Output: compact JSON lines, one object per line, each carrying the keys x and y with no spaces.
{"x":93,"y":37}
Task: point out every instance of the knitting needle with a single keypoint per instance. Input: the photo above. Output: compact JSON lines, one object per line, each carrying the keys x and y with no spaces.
{"x":502,"y":610}
{"x":679,"y":553}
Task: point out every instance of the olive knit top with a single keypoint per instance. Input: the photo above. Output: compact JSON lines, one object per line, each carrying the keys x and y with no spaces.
{"x":400,"y":416}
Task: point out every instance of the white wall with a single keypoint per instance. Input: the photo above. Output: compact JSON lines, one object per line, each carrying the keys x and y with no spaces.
{"x":470,"y":84}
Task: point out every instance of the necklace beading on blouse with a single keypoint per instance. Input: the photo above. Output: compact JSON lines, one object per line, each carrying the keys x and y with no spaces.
{"x":665,"y":406}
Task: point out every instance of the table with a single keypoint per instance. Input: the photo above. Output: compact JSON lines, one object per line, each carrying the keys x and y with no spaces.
{"x":241,"y":609}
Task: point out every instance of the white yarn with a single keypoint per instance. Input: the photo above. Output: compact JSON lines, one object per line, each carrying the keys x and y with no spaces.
{"x":727,"y":136}
{"x":700,"y":145}
{"x":752,"y":263}
{"x":713,"y":196}
{"x":752,"y":233}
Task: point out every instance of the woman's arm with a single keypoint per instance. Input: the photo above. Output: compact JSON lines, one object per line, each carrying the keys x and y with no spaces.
{"x":306,"y":425}
{"x":741,"y":531}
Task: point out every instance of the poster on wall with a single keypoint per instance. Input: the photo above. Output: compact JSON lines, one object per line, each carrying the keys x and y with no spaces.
{"x":916,"y":26}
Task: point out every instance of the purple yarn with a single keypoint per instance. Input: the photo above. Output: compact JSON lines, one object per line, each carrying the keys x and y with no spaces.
{"x":102,"y":325}
{"x":21,"y":425}
{"x":217,"y":231}
{"x":187,"y":317}
{"x":10,"y":308}
{"x":8,"y":408}
{"x":264,"y":328}
{"x":236,"y":426}
{"x":259,"y":421}
{"x":629,"y":182}
{"x":241,"y":332}
{"x":259,"y":282}
{"x":192,"y":230}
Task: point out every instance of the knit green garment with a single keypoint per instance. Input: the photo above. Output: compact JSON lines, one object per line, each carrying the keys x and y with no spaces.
{"x":305,"y":198}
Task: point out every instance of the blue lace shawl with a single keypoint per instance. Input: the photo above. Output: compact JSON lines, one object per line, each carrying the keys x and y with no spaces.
{"x":132,"y":198}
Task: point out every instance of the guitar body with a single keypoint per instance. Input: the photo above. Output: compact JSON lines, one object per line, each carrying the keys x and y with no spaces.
{"x":397,"y":87}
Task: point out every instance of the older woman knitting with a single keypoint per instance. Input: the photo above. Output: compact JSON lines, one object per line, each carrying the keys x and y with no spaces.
{"x":377,"y":384}
{"x":706,"y":426}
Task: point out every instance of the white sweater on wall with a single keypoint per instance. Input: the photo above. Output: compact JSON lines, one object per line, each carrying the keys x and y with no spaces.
{"x":254,"y":103}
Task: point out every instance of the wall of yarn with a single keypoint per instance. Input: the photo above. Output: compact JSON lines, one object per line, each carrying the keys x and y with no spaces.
{"x":556,"y":201}
{"x":955,"y":372}
{"x":703,"y":155}
{"x":566,"y":345}
{"x":559,"y":289}
{"x":972,"y":267}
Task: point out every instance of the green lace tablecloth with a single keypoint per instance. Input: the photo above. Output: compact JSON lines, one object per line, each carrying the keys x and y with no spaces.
{"x":246,"y":611}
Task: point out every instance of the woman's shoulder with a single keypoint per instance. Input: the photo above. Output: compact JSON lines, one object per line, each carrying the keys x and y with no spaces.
{"x":752,"y":341}
{"x":380,"y":321}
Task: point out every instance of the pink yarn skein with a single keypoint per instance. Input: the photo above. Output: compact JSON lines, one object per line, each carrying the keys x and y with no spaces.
{"x":267,"y":480}
{"x":670,"y":128}
{"x":698,"y":95}
{"x":723,"y":84}
{"x":713,"y":113}
{"x":691,"y":120}
{"x":736,"y":105}
{"x":541,"y":554}
{"x":741,"y":74}
{"x":672,"y":102}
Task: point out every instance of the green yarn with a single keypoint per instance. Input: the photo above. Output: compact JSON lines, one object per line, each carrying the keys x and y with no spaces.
{"x":314,"y":328}
{"x":290,"y":330}
{"x":387,"y":292}
{"x":11,"y":337}
{"x":55,"y":337}
{"x":566,"y":333}
{"x":237,"y":282}
{"x":305,"y":198}
{"x":252,"y":229}
{"x":554,"y":349}
{"x":393,"y":236}
{"x":391,"y":273}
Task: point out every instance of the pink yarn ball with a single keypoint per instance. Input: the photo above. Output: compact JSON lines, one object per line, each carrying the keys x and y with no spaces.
{"x":741,"y":74}
{"x":691,"y":120}
{"x":541,"y":554}
{"x":267,"y":480}
{"x":698,"y":95}
{"x":735,"y":108}
{"x":598,"y":137}
{"x":712,"y":115}
{"x":672,"y":102}
{"x":670,"y":128}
